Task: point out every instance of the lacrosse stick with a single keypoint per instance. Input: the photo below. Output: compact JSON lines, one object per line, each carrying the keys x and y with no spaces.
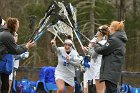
{"x":53,"y":30}
{"x":63,"y":20}
{"x":86,"y":57}
{"x":62,"y":28}
{"x":72,"y":11}
{"x":64,"y":12}
{"x":41,"y":33}
{"x":43,"y":22}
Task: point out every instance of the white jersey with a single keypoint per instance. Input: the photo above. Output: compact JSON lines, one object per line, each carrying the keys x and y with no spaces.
{"x":66,"y":73}
{"x":94,"y":71}
{"x":97,"y":62}
{"x":89,"y":74}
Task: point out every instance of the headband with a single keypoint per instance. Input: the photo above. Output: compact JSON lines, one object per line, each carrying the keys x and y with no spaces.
{"x":94,"y":40}
{"x":68,"y":41}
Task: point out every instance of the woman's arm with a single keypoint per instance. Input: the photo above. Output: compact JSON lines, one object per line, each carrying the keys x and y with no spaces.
{"x":54,"y":47}
{"x":109,"y":47}
{"x":76,"y":60}
{"x":11,"y":46}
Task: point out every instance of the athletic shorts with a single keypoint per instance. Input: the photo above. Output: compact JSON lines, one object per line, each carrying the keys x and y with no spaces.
{"x":89,"y":75}
{"x":11,"y":75}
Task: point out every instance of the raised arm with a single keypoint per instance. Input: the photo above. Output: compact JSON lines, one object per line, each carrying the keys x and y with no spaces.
{"x":54,"y":47}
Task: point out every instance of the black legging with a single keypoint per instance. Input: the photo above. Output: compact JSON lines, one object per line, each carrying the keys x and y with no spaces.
{"x":5,"y":83}
{"x":110,"y":87}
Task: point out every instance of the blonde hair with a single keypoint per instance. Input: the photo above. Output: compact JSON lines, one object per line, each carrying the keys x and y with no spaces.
{"x":118,"y":25}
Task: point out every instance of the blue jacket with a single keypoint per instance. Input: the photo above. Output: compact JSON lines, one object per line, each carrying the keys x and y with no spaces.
{"x":6,"y":64}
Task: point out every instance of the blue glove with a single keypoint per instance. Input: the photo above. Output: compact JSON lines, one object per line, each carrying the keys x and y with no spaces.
{"x":86,"y":65}
{"x":86,"y":60}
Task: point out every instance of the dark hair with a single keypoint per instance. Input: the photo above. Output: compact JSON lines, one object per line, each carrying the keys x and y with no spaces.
{"x":12,"y":23}
{"x":104,"y":29}
{"x":69,"y":37}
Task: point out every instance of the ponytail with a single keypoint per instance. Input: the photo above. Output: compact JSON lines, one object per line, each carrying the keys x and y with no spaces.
{"x":118,"y":25}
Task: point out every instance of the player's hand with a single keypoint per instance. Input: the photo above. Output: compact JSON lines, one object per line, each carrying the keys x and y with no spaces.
{"x":68,"y":58}
{"x":85,"y":49}
{"x":53,"y":42}
{"x":30,"y":44}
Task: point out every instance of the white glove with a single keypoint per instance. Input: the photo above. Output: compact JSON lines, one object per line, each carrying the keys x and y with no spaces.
{"x":24,"y":55}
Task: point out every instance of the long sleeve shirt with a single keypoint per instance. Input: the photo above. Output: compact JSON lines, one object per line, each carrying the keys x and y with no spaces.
{"x":74,"y":61}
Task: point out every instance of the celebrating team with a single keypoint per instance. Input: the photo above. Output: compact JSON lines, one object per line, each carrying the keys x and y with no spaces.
{"x":106,"y":50}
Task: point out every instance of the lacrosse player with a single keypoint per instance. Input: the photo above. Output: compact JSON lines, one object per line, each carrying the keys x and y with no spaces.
{"x":96,"y":59}
{"x":68,"y":58}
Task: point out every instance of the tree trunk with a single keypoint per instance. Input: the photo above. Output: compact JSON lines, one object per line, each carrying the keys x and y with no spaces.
{"x":134,"y":8}
{"x":92,"y":19}
{"x":118,"y":10}
{"x":122,"y":10}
